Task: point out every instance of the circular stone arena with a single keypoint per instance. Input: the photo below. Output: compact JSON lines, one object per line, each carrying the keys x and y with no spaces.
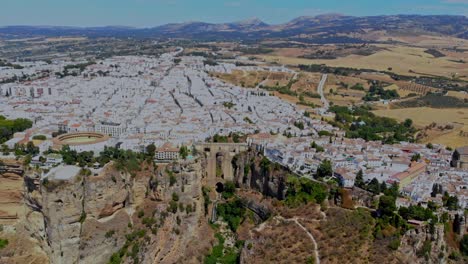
{"x":82,"y":141}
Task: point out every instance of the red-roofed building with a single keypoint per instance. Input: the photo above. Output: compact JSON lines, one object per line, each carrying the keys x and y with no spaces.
{"x":167,"y":152}
{"x":406,"y":177}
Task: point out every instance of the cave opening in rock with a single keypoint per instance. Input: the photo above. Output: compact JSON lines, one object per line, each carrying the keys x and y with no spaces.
{"x":219,"y":187}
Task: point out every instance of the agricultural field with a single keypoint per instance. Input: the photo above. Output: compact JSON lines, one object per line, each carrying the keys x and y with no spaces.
{"x":342,"y":96}
{"x":306,"y":82}
{"x":278,"y":79}
{"x":434,"y":101}
{"x":401,"y":92}
{"x":450,"y":127}
{"x":398,"y":59}
{"x":250,"y":79}
{"x":429,"y":41}
{"x":339,"y":90}
{"x":459,"y":95}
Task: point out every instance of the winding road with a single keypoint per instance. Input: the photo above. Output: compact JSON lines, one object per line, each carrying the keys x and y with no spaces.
{"x":323,"y":81}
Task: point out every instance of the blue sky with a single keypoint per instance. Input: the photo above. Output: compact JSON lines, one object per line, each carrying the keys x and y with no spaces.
{"x":147,"y":13}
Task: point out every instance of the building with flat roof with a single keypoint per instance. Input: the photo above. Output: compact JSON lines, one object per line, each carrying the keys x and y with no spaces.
{"x":460,"y":158}
{"x":110,"y":128}
{"x":62,"y":172}
{"x":167,"y":152}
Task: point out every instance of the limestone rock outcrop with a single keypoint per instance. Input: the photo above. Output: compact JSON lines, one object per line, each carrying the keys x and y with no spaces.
{"x":249,"y":174}
{"x":72,"y":217}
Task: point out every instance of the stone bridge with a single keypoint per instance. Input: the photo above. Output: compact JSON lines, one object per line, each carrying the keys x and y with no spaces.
{"x":219,"y":159}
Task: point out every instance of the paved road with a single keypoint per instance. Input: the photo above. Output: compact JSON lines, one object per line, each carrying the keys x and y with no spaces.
{"x":323,"y":81}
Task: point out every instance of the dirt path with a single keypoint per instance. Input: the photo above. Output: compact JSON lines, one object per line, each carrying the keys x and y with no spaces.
{"x":316,"y":253}
{"x":314,"y":242}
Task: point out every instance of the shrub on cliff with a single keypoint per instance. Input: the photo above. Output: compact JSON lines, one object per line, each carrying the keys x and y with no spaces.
{"x":302,"y":191}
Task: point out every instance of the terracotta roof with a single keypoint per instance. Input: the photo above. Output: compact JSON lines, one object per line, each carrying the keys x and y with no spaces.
{"x":167,"y":147}
{"x":261,"y":136}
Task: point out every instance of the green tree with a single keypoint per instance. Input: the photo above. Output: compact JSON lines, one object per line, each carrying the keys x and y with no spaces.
{"x":387,"y":205}
{"x":464,"y":245}
{"x":324,"y":169}
{"x":175,"y":197}
{"x":451,"y":202}
{"x":232,"y":212}
{"x":416,"y":157}
{"x":172,"y":180}
{"x":374,"y":186}
{"x":3,"y":243}
{"x":5,"y":150}
{"x":151,"y":150}
{"x":359,"y":181}
{"x":265,"y":164}
{"x":408,"y":123}
{"x":31,"y":149}
{"x":229,"y":190}
{"x":183,"y":152}
{"x":393,"y":190}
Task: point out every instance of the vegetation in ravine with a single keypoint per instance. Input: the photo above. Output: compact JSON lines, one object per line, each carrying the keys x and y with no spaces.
{"x":220,"y":254}
{"x":232,"y":212}
{"x":303,"y":191}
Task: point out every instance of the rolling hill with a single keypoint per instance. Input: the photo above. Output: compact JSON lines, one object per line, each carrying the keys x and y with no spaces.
{"x":329,"y":28}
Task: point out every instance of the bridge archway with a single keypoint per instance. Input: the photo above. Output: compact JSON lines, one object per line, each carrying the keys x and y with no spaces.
{"x":219,"y":159}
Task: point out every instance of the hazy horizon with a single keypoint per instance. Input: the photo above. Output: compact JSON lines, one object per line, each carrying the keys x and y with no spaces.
{"x":221,"y":22}
{"x":151,"y":13}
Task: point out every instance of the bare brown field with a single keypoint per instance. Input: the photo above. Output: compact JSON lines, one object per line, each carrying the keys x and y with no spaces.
{"x":350,"y":81}
{"x":430,"y":41}
{"x":251,"y":79}
{"x":399,"y":59}
{"x":242,"y":78}
{"x":291,"y":52}
{"x":295,"y":100}
{"x":11,"y":201}
{"x":459,"y":95}
{"x":60,"y":39}
{"x":424,"y":116}
{"x":377,"y":77}
{"x":306,"y":82}
{"x":338,"y":94}
{"x":278,"y":79}
{"x":343,"y":99}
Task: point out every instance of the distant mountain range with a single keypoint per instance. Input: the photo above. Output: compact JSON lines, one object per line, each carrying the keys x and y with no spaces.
{"x":322,"y":28}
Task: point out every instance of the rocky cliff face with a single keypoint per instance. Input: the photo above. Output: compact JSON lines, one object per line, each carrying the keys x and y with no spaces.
{"x":71,"y":218}
{"x":89,"y":218}
{"x":268,"y":179}
{"x":157,"y":215}
{"x":415,"y":245}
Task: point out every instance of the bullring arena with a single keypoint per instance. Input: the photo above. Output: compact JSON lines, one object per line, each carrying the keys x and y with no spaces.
{"x":82,"y":141}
